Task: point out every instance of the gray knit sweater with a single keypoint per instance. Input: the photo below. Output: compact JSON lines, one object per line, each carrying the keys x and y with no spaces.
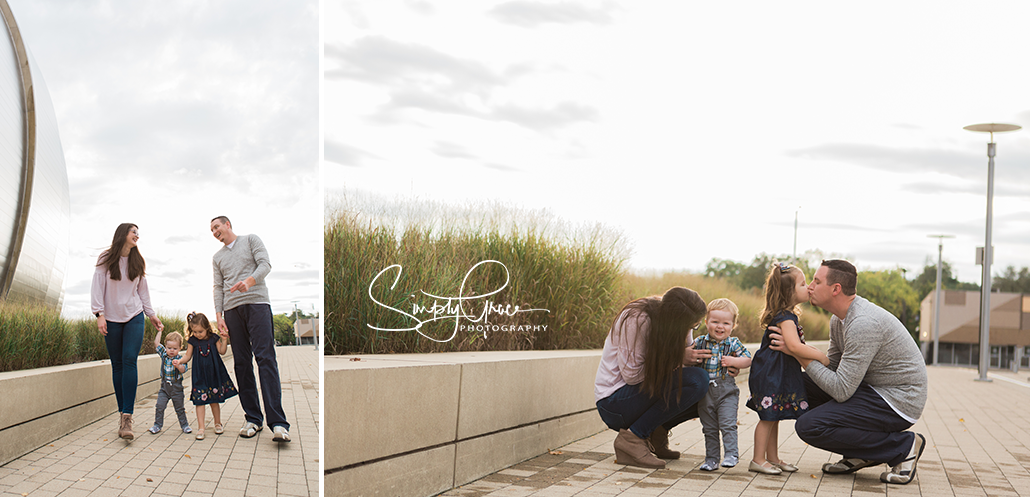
{"x":871,"y":345}
{"x":247,"y":257}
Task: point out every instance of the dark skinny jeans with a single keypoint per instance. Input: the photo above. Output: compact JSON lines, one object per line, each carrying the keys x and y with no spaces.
{"x":632,"y":409}
{"x":123,"y":342}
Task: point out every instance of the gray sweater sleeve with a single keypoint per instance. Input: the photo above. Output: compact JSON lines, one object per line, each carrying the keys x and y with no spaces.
{"x":247,"y":258}
{"x":876,"y":348}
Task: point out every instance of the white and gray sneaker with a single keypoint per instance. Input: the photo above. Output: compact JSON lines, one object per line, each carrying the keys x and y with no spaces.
{"x":280,"y":434}
{"x":249,"y":430}
{"x":710,"y":465}
{"x":905,"y":472}
{"x":730,"y":461}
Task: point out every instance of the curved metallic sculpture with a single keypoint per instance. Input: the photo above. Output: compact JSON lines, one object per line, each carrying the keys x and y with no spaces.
{"x":34,"y":201}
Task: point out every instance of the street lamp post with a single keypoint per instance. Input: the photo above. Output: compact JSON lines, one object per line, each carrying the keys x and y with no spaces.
{"x":796,"y":235}
{"x":296,"y":336}
{"x":937,"y":297}
{"x":985,"y":286}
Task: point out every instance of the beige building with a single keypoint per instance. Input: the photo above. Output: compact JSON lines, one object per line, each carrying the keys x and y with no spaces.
{"x":960,"y":328}
{"x":306,"y":331}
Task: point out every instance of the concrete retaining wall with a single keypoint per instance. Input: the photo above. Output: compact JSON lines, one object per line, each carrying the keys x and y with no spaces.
{"x":420,"y":424}
{"x":44,"y":404}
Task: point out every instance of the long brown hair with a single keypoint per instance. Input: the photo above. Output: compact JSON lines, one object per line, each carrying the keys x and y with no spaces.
{"x":110,"y":257}
{"x":779,"y":292}
{"x":671,"y":317}
{"x":198,"y":318}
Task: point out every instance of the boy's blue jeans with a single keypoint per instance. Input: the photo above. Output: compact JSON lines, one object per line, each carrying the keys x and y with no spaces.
{"x":123,"y":342}
{"x":632,"y":409}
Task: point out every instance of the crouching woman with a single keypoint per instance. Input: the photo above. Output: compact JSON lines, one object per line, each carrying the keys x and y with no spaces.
{"x":642,"y":389}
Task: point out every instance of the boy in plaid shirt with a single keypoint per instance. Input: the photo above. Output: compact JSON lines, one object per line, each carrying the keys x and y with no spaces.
{"x":718,"y":409}
{"x":171,"y":381}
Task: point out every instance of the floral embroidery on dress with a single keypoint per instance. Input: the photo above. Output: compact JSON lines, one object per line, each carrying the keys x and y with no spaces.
{"x":783,"y":402}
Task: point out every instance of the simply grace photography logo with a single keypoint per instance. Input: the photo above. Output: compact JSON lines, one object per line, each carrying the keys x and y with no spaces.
{"x":470,"y":313}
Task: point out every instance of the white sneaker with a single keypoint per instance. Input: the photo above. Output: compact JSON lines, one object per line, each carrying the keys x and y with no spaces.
{"x":249,"y":430}
{"x":280,"y":434}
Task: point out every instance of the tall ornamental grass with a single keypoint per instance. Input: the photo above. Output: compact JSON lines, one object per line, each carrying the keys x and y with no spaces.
{"x":35,"y":336}
{"x":816,"y":324}
{"x":566,"y":280}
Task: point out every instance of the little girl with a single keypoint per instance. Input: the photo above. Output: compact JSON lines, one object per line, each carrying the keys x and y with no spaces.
{"x":776,"y":381}
{"x":211,"y":382}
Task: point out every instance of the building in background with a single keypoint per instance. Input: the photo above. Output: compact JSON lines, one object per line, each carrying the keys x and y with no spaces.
{"x":34,"y":200}
{"x":306,"y":331}
{"x":960,"y":329}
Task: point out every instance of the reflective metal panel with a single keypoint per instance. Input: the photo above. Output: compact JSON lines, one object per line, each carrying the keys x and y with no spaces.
{"x":12,"y":137}
{"x":40,"y":266}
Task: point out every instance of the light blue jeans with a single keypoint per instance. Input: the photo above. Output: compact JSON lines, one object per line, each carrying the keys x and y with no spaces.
{"x":123,"y":342}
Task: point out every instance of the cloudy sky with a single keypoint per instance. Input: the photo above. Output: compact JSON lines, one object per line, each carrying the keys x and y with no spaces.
{"x":172,"y":113}
{"x":699,"y":129}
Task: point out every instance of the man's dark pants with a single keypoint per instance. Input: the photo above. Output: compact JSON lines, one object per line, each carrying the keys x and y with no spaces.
{"x":863,"y":426}
{"x":250,"y":330}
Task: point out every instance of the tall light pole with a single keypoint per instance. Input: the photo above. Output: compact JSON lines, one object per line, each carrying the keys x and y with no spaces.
{"x":296,"y":336}
{"x":985,"y":286}
{"x":796,"y":235}
{"x":937,"y":296}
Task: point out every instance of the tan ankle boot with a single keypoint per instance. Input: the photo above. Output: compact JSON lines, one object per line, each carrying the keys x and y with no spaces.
{"x":632,"y":450}
{"x":660,"y":444}
{"x":125,"y":428}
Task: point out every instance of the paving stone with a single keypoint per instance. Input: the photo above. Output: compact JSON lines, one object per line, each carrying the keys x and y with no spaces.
{"x":978,"y":443}
{"x":94,"y":461}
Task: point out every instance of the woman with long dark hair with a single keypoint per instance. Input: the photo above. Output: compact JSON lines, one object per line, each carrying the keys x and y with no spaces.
{"x":120,"y":298}
{"x":642,"y":389}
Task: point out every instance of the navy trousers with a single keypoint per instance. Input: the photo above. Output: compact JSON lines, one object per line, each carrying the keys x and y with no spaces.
{"x":250,"y":330}
{"x":864,"y":426}
{"x":631,"y":408}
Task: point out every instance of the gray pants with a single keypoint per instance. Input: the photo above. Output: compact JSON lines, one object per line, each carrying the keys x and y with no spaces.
{"x":718,"y":412}
{"x":175,"y":392}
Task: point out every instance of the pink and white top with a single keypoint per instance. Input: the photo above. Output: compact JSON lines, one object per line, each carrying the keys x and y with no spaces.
{"x":121,"y":300}
{"x":622,"y":360}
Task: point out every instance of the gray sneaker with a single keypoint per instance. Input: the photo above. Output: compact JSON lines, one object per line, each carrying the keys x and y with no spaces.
{"x":729,"y":461}
{"x":905,"y":472}
{"x":249,"y":430}
{"x":280,"y":434}
{"x":710,"y":465}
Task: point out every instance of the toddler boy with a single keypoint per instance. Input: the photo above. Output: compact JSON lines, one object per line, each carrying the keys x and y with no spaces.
{"x":718,"y":409}
{"x":171,"y":381}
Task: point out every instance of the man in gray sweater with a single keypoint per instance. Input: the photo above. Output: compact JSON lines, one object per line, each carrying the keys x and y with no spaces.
{"x":874,"y":389}
{"x":244,"y":310}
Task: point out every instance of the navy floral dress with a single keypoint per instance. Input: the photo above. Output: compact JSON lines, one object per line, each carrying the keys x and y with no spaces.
{"x":211,"y":381}
{"x":776,"y":381}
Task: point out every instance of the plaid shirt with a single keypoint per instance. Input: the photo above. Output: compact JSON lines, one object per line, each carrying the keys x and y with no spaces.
{"x":168,"y":371}
{"x":730,"y":346}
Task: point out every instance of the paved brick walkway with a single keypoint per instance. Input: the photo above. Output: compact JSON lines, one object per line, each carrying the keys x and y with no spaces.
{"x":94,"y":461}
{"x":978,"y":443}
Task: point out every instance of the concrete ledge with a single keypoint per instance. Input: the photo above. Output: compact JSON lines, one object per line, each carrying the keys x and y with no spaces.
{"x":389,"y":419}
{"x":52,"y":402}
{"x":427,"y":472}
{"x":420,"y":424}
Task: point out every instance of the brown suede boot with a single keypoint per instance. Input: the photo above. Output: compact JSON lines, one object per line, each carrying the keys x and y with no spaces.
{"x":632,"y":450}
{"x":660,"y":444}
{"x":125,"y":428}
